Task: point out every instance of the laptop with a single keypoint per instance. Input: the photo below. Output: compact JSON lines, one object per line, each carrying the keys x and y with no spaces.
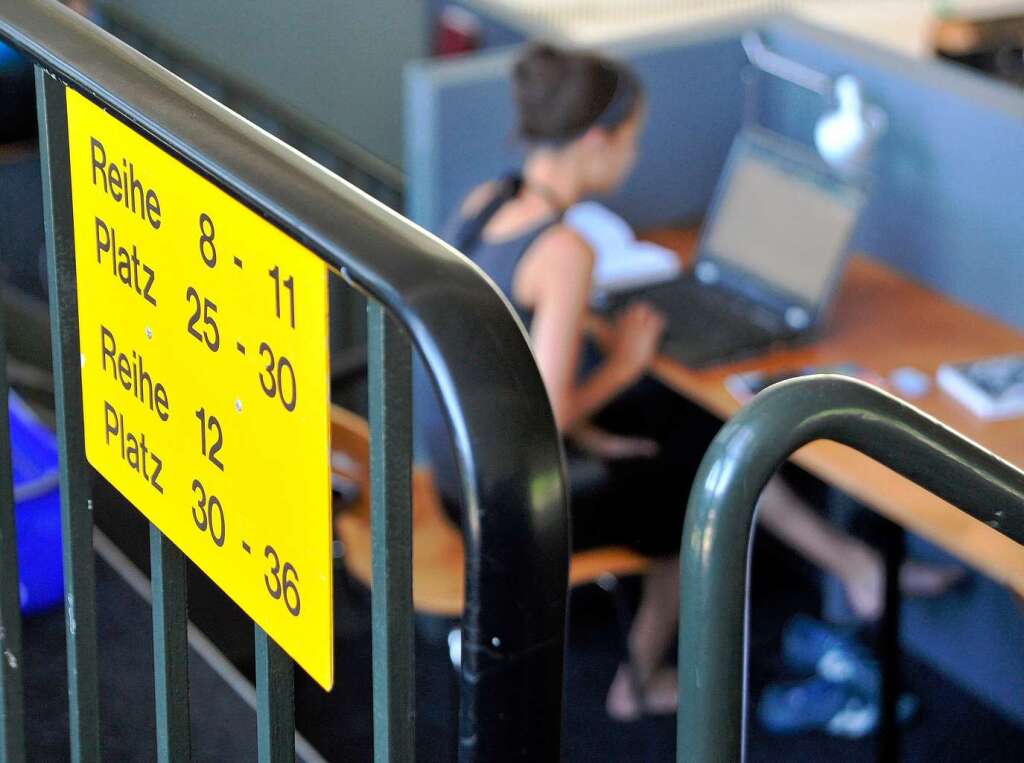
{"x":770,"y":256}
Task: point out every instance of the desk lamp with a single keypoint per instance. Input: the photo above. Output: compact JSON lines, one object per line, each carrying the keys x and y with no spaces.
{"x":846,"y":133}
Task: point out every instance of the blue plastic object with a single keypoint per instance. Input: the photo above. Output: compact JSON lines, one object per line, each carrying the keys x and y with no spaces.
{"x":833,"y":653}
{"x":816,"y":704}
{"x":11,"y":61}
{"x":36,"y":509}
{"x":910,"y":382}
{"x":842,"y":697}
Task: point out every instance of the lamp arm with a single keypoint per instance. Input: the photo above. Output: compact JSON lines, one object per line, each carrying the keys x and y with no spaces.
{"x":879,"y":119}
{"x":784,"y":68}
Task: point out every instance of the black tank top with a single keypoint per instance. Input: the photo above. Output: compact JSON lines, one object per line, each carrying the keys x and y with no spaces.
{"x":499,"y":260}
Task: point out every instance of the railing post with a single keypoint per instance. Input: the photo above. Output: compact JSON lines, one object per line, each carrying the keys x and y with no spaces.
{"x":75,"y":500}
{"x":168,"y":569}
{"x":12,"y":714}
{"x":390,"y":392}
{"x":275,"y":701}
{"x":720,"y":517}
{"x":514,"y":497}
{"x":894,"y":551}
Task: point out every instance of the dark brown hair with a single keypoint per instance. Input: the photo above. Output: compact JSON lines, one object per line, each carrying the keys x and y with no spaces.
{"x":561,"y":94}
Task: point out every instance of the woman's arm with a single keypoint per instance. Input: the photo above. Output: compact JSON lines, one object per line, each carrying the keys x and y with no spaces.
{"x":555,"y":282}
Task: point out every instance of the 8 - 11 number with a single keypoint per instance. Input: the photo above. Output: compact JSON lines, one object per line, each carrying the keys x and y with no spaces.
{"x":289,"y":285}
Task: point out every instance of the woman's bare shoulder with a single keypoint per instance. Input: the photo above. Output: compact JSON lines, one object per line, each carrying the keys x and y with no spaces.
{"x":559,"y":262}
{"x":565,"y":250}
{"x":478,"y":198}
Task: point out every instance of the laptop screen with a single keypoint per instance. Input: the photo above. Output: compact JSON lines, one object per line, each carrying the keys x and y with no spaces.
{"x":781,"y":215}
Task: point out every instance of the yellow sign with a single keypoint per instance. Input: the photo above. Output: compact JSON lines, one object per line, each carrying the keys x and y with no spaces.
{"x":205,"y":376}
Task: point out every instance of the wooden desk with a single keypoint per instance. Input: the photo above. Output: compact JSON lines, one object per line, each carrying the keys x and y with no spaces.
{"x":883,"y":320}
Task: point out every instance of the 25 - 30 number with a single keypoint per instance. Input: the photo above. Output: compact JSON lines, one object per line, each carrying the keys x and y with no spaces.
{"x":205,"y":309}
{"x":278,"y":378}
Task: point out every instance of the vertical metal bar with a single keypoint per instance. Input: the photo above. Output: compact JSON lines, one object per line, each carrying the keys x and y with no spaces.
{"x":75,"y":501}
{"x":170,"y":648}
{"x":275,"y":701}
{"x":12,"y":713}
{"x":390,"y":383}
{"x":889,"y":652}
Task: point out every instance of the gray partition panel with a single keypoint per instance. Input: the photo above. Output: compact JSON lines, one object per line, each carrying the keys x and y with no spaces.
{"x":948,"y":193}
{"x":335,"y":62}
{"x":948,"y":199}
{"x":460,"y":123}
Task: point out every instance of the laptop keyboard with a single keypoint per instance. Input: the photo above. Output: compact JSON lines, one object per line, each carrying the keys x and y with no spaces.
{"x":705,"y":325}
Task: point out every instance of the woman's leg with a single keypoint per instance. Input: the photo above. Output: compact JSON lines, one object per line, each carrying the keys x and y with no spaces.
{"x":658,"y":487}
{"x":650,"y":637}
{"x":858,"y":566}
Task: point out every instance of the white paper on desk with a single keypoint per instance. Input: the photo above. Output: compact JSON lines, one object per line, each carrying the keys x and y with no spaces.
{"x":621,"y":262}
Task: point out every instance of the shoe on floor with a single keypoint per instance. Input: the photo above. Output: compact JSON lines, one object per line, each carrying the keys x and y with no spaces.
{"x":833,"y":653}
{"x":816,"y":704}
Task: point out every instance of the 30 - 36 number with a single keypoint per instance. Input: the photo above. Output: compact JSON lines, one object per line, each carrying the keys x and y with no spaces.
{"x":208,"y":513}
{"x":282,"y":581}
{"x":278,"y":378}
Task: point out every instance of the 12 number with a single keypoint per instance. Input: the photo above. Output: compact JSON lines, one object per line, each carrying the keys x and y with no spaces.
{"x":211,"y":424}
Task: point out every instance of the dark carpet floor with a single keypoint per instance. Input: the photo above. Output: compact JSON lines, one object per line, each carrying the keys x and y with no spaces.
{"x":223,"y":725}
{"x":953,"y":725}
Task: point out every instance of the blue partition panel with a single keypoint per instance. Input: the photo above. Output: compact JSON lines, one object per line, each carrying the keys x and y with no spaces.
{"x":948,"y":201}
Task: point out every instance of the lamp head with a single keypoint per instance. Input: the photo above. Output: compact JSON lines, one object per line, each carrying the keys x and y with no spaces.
{"x":846,"y":134}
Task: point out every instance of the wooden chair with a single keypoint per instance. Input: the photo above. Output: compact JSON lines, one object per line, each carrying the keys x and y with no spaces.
{"x":438,"y":566}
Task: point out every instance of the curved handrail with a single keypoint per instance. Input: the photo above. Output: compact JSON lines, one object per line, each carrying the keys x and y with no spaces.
{"x":514,"y":495}
{"x":720,"y":518}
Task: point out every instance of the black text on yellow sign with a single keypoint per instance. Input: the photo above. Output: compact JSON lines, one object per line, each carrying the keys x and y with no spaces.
{"x":205,"y":376}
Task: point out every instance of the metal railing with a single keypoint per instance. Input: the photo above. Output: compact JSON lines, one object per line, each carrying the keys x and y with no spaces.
{"x":720,"y":519}
{"x":506,"y":442}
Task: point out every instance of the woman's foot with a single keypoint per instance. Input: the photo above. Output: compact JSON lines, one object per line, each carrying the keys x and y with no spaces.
{"x":628,"y":700}
{"x":865,"y":582}
{"x":929,"y":580}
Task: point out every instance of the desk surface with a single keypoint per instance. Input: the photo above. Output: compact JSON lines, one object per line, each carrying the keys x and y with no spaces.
{"x":883,"y":320}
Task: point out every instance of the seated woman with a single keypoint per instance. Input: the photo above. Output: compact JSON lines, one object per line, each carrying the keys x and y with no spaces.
{"x":579,"y":116}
